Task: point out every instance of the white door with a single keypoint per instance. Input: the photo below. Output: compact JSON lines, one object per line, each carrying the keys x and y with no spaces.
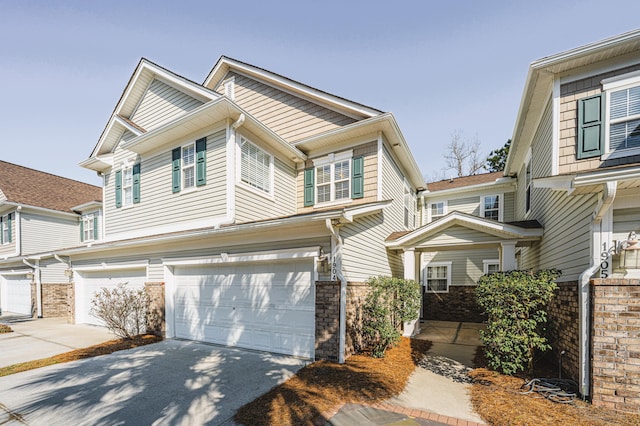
{"x":263,"y":306}
{"x":88,"y":283}
{"x":15,"y":294}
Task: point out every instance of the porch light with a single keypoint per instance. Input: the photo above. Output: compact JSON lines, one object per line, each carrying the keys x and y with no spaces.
{"x":630,"y":252}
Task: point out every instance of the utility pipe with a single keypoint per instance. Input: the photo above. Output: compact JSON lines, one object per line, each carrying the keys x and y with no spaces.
{"x":337,"y":258}
{"x":36,"y":277}
{"x":231,"y":174}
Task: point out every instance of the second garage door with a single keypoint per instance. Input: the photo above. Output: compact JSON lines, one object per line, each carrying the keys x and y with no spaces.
{"x":264,"y":306}
{"x":15,"y":294}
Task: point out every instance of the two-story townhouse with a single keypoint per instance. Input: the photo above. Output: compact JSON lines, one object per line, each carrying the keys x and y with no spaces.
{"x":38,"y":216}
{"x":251,"y":205}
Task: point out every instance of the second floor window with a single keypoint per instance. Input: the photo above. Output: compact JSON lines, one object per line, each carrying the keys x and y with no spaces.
{"x":624,"y":118}
{"x":89,"y":227}
{"x":491,"y":207}
{"x":188,"y":166}
{"x":409,"y":207}
{"x":527,"y":183}
{"x":5,"y":229}
{"x":127,"y":186}
{"x":255,"y":167}
{"x":332,"y":181}
{"x":437,"y":210}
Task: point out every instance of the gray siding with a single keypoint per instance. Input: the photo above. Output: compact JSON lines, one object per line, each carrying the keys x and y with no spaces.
{"x":42,"y":233}
{"x":9,"y":249}
{"x":470,"y":205}
{"x":509,"y":206}
{"x":466,"y":265}
{"x":158,"y":204}
{"x":160,"y":104}
{"x":52,"y":272}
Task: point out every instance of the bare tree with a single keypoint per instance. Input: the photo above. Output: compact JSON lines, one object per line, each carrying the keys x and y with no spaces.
{"x":463,"y":154}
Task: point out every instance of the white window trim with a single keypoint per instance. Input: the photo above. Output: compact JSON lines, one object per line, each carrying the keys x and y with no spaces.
{"x":500,"y":205}
{"x":88,"y":217}
{"x":331,"y":160}
{"x":187,"y":189}
{"x":433,"y":264}
{"x":269,"y":195}
{"x":229,"y":88}
{"x":444,"y":209}
{"x":487,"y":262}
{"x":126,"y":167}
{"x":619,"y":82}
{"x":4,"y":225}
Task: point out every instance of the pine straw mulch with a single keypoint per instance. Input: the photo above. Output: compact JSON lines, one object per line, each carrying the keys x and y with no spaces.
{"x":75,"y":355}
{"x":321,"y":387}
{"x":496,"y":399}
{"x":5,"y":329}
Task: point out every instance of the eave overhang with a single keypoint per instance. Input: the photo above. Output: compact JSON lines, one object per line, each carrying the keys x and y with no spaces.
{"x":592,"y":181}
{"x":503,"y":184}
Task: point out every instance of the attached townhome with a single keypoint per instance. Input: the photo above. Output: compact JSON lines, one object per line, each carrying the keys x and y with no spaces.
{"x":38,"y":215}
{"x":249,"y":206}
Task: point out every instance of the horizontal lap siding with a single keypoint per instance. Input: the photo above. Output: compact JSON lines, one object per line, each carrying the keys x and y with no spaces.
{"x":251,"y":206}
{"x":41,"y":233}
{"x":509,"y":206}
{"x":291,"y":117}
{"x":160,"y":104}
{"x":10,"y":248}
{"x":466,"y":265}
{"x":158,"y":204}
{"x":470,"y":205}
{"x":459,"y":234}
{"x":53,"y":271}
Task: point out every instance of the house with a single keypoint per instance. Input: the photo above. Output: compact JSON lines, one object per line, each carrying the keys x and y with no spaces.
{"x":38,"y":215}
{"x":249,"y":206}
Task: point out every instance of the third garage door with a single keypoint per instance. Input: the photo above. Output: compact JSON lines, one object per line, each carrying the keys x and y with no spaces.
{"x":264,"y":306}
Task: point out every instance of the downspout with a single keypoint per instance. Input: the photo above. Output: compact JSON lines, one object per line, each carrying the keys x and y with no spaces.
{"x":36,"y":277}
{"x":584,"y":295}
{"x":335,"y":234}
{"x":231,"y":174}
{"x":18,"y":231}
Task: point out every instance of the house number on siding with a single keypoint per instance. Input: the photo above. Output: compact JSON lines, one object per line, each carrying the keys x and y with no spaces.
{"x":605,"y":262}
{"x":334,"y":271}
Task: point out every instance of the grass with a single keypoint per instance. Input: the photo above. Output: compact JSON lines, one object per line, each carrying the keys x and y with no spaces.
{"x":75,"y":355}
{"x":5,"y":329}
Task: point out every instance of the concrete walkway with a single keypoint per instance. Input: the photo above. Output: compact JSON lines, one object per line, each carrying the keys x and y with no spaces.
{"x":34,"y":339}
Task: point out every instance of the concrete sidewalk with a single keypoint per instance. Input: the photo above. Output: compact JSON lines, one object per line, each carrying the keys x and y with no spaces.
{"x":34,"y":339}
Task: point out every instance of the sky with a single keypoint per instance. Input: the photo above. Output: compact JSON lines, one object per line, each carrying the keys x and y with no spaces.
{"x":440,"y":67}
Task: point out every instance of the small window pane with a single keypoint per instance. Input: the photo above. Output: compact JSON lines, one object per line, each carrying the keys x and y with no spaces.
{"x":342,"y":170}
{"x":189,"y":178}
{"x":323,"y":174}
{"x":188,"y":155}
{"x":342,"y":190}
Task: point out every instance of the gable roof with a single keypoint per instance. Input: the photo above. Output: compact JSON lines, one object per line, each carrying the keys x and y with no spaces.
{"x":463,"y":181}
{"x":29,"y":187}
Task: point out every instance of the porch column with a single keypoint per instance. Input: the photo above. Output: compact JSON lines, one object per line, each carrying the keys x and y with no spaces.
{"x":409,"y":258}
{"x":508,"y":255}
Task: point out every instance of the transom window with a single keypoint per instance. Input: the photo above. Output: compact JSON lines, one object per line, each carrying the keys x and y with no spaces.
{"x":437,"y":210}
{"x":438,"y":277}
{"x":491,"y":207}
{"x":256,"y":167}
{"x":127,"y":186}
{"x":189,"y":166}
{"x":624,"y":118}
{"x":333,"y":181}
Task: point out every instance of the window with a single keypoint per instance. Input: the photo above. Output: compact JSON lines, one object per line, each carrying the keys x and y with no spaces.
{"x":409,"y":207}
{"x":188,"y":166}
{"x":333,"y":181}
{"x":438,"y":277}
{"x":491,"y":266}
{"x":527,"y":183}
{"x":334,"y":178}
{"x":437,"y":210}
{"x":624,"y":118}
{"x":256,"y":167}
{"x":127,"y":186}
{"x":490,"y":207}
{"x":89,"y":227}
{"x":5,"y":228}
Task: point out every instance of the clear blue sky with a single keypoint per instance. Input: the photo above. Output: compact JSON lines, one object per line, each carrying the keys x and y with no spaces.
{"x":439,"y":66}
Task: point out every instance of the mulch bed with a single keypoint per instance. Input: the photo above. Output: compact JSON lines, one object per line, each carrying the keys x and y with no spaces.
{"x":5,"y":329}
{"x":321,"y":387}
{"x":96,"y":350}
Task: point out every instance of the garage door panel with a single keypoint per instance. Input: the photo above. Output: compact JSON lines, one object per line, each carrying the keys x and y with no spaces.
{"x":265,"y":306}
{"x":15,"y":294}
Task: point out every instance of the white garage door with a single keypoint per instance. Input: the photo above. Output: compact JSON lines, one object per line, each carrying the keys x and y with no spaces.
{"x":264,"y":306}
{"x":15,"y":294}
{"x":89,"y":283}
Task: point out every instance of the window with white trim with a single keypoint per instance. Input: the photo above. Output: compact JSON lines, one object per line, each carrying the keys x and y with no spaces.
{"x":189,"y":166}
{"x":437,"y":210}
{"x":490,"y":207}
{"x":437,"y":277}
{"x":89,"y":226}
{"x":333,"y":180}
{"x":624,"y":118}
{"x":491,"y":266}
{"x":256,"y":167}
{"x":5,"y":230}
{"x":127,"y":186}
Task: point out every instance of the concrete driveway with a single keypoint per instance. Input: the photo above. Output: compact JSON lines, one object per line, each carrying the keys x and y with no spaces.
{"x":171,"y":382}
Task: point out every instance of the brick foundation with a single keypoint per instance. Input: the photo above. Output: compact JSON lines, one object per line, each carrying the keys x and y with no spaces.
{"x":55,"y":300}
{"x":327,"y":320}
{"x":158,"y":325}
{"x":459,"y":304}
{"x":563,"y":328}
{"x":615,"y":369}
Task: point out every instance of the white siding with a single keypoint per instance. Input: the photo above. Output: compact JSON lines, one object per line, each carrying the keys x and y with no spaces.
{"x":160,"y":104}
{"x":52,"y":271}
{"x":9,"y":249}
{"x":42,"y":233}
{"x":466,"y":265}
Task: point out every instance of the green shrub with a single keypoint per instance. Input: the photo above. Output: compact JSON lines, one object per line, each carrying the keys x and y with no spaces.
{"x":515,"y":303}
{"x":389,"y":303}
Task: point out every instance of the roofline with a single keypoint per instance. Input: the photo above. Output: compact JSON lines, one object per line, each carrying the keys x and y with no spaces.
{"x":39,"y":209}
{"x":501,"y":181}
{"x":282,"y":81}
{"x":83,"y":206}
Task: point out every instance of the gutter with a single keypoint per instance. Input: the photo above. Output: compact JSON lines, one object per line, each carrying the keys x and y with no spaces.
{"x":601,"y":209}
{"x":36,"y":277}
{"x":333,"y":227}
{"x":230,"y":218}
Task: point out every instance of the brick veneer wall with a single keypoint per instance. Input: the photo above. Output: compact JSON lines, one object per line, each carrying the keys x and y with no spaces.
{"x":55,"y":300}
{"x":158,"y":325}
{"x":71,"y":304}
{"x":327,"y":320}
{"x":615,"y":368}
{"x":564,"y":328}
{"x":459,"y":304}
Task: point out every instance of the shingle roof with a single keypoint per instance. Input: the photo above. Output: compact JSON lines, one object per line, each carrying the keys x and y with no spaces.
{"x":460,"y":182}
{"x":23,"y":185}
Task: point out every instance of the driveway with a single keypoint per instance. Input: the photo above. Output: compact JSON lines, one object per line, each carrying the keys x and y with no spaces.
{"x":172,"y":382}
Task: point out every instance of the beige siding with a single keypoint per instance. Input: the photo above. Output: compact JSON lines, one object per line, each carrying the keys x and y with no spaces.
{"x":160,"y":104}
{"x":509,"y":207}
{"x":9,"y":249}
{"x":470,"y":205}
{"x":569,"y":95}
{"x":158,"y":204}
{"x":466,"y":265}
{"x":456,"y":235}
{"x":42,"y":233}
{"x":291,"y":117}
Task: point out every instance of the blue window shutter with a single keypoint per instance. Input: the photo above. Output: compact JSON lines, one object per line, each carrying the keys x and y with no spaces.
{"x":357,"y":177}
{"x":81,"y":229}
{"x":10,"y":219}
{"x":201,"y":161}
{"x":136,"y":182}
{"x":308,"y":187}
{"x":119,"y":188}
{"x":590,"y":127}
{"x":95,"y":226}
{"x":175,"y":170}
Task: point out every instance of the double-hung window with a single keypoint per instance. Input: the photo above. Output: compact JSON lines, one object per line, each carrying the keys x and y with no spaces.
{"x":490,"y":208}
{"x":437,"y":210}
{"x":332,"y":182}
{"x":127,"y":186}
{"x":5,"y":229}
{"x":89,"y":227}
{"x":188,"y":166}
{"x":438,"y":277}
{"x":491,"y":266}
{"x":256,"y":167}
{"x":624,"y":118}
{"x":334,"y":178}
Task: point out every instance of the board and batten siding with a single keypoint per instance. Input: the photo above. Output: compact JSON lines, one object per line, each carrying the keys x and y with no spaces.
{"x":252,"y":205}
{"x":158,"y":204}
{"x":291,"y":117}
{"x":42,"y":233}
{"x":162,"y":103}
{"x":466,"y":265}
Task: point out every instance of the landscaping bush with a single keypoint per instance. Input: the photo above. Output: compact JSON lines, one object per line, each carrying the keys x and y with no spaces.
{"x":515,"y":304}
{"x":389,"y":303}
{"x":124,"y":311}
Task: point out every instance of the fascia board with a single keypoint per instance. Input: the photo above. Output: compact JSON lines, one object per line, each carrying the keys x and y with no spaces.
{"x":503,"y":184}
{"x":111,"y":266}
{"x":352,"y":213}
{"x":258,"y":256}
{"x":86,"y":206}
{"x":98,"y":164}
{"x":42,"y":210}
{"x":604,"y":176}
{"x":562,"y":183}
